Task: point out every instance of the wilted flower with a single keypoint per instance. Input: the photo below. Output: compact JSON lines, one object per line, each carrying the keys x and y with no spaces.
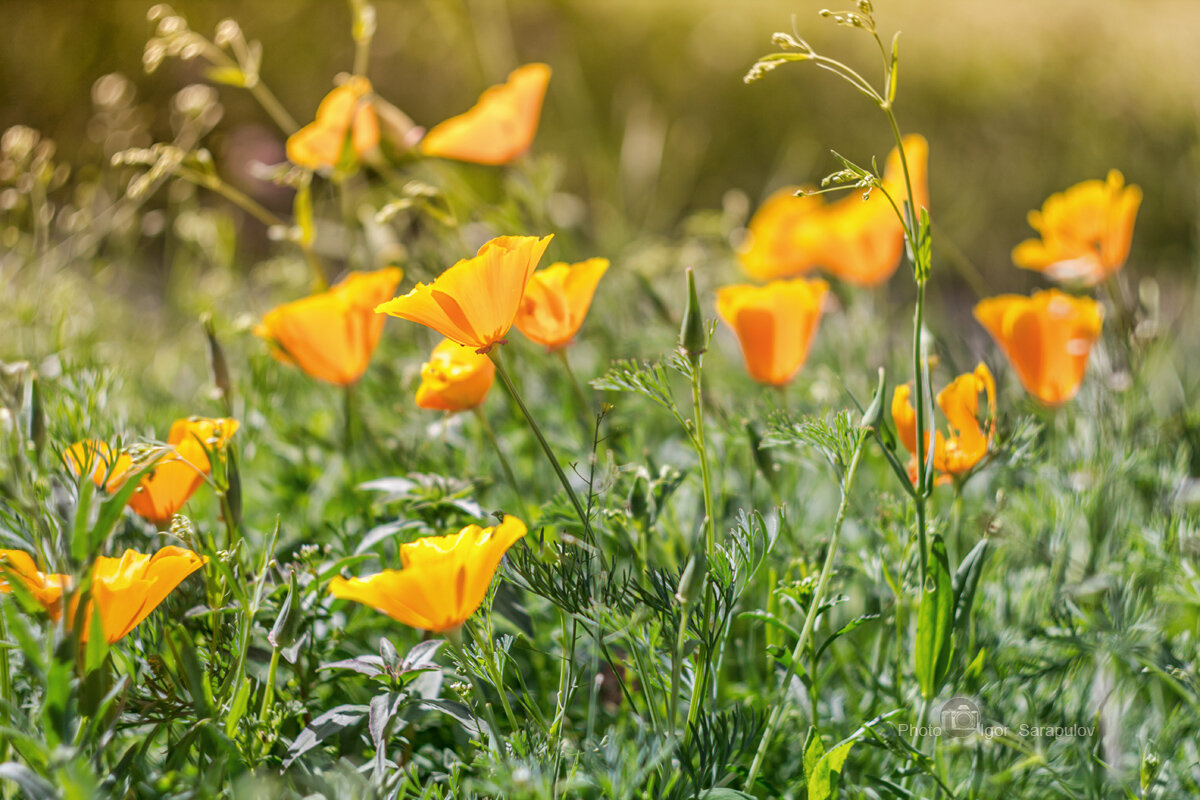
{"x":177,"y":473}
{"x":557,"y":299}
{"x":1047,"y":338}
{"x":1086,"y":231}
{"x":498,"y":128}
{"x":475,"y":301}
{"x":331,"y":335}
{"x":345,"y":113}
{"x":455,"y":378}
{"x":444,"y":579}
{"x":968,"y":441}
{"x":774,"y":324}
{"x":124,"y":590}
{"x":858,"y":241}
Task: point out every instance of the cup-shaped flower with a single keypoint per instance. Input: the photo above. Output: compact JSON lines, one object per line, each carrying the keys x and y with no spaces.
{"x":475,"y":301}
{"x":858,"y":241}
{"x":46,"y":589}
{"x":557,"y":299}
{"x":498,"y":128}
{"x":444,"y":579}
{"x":178,"y":470}
{"x":1047,"y":338}
{"x":455,"y":378}
{"x":344,"y":117}
{"x":967,"y":441}
{"x":1085,"y":231}
{"x":123,"y":590}
{"x":331,"y":335}
{"x":775,"y":324}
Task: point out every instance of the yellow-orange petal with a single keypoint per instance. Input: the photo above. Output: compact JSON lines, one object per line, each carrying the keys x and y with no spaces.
{"x":1047,"y":339}
{"x":968,"y":441}
{"x":1085,"y":231}
{"x":775,"y":324}
{"x":444,"y":580}
{"x":557,"y":300}
{"x":344,"y":113}
{"x":127,"y":589}
{"x":499,"y":127}
{"x":456,"y":378}
{"x":785,"y":236}
{"x":475,"y":301}
{"x":332,"y":335}
{"x":46,"y":589}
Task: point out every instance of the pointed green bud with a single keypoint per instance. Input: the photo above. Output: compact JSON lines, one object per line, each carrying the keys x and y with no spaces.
{"x":218,"y":364}
{"x":692,"y":338}
{"x":874,"y":413}
{"x":691,"y":582}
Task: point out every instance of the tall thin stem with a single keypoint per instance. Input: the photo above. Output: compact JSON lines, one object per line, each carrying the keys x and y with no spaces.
{"x":810,"y":617}
{"x":537,"y":432}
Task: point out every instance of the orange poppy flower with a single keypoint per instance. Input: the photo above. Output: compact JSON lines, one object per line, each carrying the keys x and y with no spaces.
{"x":345,"y":113}
{"x":125,"y":589}
{"x":774,"y":324}
{"x":557,"y":299}
{"x":475,"y":301}
{"x":455,"y":378}
{"x":498,"y":128}
{"x":46,"y":589}
{"x":1047,"y":338}
{"x":968,"y":441}
{"x":178,"y":471}
{"x":1086,"y":231}
{"x":331,"y":335}
{"x":858,"y":241}
{"x":444,"y":579}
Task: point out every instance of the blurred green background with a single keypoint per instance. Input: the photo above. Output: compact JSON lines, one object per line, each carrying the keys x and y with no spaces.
{"x":650,"y":118}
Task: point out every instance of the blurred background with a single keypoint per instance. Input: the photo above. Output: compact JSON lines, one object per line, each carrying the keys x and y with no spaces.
{"x":648,"y":114}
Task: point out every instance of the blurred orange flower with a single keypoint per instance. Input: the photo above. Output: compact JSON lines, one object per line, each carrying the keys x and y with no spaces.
{"x":125,"y":589}
{"x":498,"y":128}
{"x":331,"y":335}
{"x":178,"y":471}
{"x":475,"y":301}
{"x":444,"y":579}
{"x":1047,"y":338}
{"x":557,"y":299}
{"x":968,"y":441}
{"x":455,"y":378}
{"x":46,"y":589}
{"x":774,"y":324}
{"x":1086,"y":231}
{"x":345,"y":113}
{"x":858,"y":241}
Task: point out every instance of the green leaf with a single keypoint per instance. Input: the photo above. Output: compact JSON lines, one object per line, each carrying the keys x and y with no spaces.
{"x":822,"y":769}
{"x":34,"y":786}
{"x":966,"y":580}
{"x":935,"y":623}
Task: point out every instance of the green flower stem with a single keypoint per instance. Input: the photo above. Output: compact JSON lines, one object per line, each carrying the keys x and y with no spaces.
{"x":5,"y":685}
{"x":584,"y":406}
{"x":454,"y":638}
{"x":269,"y":687}
{"x":505,"y":466}
{"x":809,"y":618}
{"x":565,"y":687}
{"x":537,"y":432}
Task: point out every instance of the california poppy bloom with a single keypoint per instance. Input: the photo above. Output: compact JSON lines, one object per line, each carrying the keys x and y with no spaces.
{"x":455,"y":378}
{"x":858,"y":241}
{"x":475,"y":301}
{"x":557,"y":299}
{"x":1047,"y":338}
{"x":331,"y":335}
{"x":774,"y":324}
{"x":1086,"y":231}
{"x":345,"y":113}
{"x":178,"y":471}
{"x":444,"y":579}
{"x":498,"y":128}
{"x":46,"y":589}
{"x":968,"y":441}
{"x":124,"y":590}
